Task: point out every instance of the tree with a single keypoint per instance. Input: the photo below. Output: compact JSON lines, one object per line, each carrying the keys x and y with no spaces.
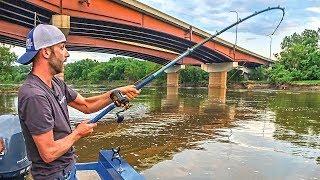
{"x":299,"y":58}
{"x":193,"y":76}
{"x":80,"y":70}
{"x":7,"y":59}
{"x":117,"y":69}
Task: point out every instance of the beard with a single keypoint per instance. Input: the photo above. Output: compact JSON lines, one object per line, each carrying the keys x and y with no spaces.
{"x":56,"y":66}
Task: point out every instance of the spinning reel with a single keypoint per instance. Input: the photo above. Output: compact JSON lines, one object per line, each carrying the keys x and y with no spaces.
{"x":120,"y":101}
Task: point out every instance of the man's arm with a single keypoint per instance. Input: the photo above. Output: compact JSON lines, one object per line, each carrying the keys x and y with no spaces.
{"x":95,"y":103}
{"x":50,"y":150}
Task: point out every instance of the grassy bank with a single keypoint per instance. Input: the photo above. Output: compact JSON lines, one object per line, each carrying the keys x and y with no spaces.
{"x":9,"y":88}
{"x":313,"y":82}
{"x":295,"y":85}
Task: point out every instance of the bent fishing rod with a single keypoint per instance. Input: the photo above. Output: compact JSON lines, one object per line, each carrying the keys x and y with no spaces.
{"x":119,"y":100}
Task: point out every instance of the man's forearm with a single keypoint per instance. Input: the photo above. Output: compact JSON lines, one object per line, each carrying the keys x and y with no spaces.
{"x":96,"y":103}
{"x":51,"y":151}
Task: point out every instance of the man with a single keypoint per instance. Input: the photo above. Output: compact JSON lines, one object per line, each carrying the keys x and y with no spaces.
{"x":42,"y":104}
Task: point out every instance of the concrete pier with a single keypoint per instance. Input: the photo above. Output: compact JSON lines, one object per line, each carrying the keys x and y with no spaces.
{"x":173,"y":75}
{"x":63,"y":23}
{"x":218,"y":73}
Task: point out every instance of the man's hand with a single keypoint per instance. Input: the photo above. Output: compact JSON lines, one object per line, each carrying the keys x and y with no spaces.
{"x":85,"y":128}
{"x":50,"y":149}
{"x":130,"y":91}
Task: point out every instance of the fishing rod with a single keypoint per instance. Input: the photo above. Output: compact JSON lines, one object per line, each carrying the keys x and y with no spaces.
{"x":119,"y":100}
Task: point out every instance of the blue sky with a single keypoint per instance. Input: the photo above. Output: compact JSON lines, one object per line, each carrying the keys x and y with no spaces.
{"x":214,"y":15}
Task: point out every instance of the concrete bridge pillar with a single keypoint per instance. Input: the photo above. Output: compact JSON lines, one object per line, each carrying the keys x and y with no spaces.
{"x":218,"y":73}
{"x":173,"y":75}
{"x":217,"y":86}
{"x":63,"y":23}
{"x":217,"y":79}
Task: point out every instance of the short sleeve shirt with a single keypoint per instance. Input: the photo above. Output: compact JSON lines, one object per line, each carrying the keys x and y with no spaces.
{"x":42,"y":109}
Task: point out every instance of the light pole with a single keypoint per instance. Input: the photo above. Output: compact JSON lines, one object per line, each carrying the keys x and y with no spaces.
{"x":235,"y":43}
{"x":270,"y":36}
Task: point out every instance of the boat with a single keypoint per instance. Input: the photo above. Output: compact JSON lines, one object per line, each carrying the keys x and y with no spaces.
{"x":14,"y":163}
{"x":109,"y":166}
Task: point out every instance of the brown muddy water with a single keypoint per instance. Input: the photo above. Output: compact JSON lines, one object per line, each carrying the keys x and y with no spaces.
{"x":254,"y":135}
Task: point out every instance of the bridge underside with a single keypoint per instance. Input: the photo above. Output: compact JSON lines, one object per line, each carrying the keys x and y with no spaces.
{"x":17,"y":18}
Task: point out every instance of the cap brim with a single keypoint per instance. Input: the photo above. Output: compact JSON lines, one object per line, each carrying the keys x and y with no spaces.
{"x":26,"y":58}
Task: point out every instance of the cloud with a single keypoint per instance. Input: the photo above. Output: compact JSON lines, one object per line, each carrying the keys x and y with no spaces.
{"x":215,"y":15}
{"x":313,"y":23}
{"x":313,"y":9}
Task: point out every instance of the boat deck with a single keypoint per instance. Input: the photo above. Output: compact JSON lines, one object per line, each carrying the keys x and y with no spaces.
{"x":88,"y":175}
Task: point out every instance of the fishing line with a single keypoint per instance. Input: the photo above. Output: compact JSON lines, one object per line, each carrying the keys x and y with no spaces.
{"x":277,"y":27}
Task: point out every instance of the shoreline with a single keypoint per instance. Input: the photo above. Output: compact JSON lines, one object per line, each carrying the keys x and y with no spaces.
{"x":13,"y":88}
{"x":287,"y":86}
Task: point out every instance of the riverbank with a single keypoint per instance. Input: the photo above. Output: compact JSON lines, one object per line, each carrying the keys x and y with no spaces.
{"x":250,"y":85}
{"x":294,"y":86}
{"x":9,"y":88}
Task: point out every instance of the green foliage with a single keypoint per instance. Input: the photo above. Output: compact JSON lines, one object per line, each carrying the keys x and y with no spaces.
{"x":20,"y":73}
{"x":235,"y":76}
{"x":193,"y":76}
{"x":260,"y":73}
{"x":7,"y":59}
{"x":128,"y":70}
{"x":80,"y":70}
{"x":299,"y":59}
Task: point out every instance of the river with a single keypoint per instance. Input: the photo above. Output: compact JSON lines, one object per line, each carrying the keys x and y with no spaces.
{"x":260,"y":134}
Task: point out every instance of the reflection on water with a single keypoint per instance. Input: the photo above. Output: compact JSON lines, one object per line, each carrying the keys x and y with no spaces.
{"x":253,"y":135}
{"x":217,"y":94}
{"x":8,"y":103}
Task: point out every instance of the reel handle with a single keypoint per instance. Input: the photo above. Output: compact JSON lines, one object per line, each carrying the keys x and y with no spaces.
{"x":119,"y":100}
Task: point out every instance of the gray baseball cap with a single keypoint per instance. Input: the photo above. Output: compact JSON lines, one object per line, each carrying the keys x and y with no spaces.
{"x":41,"y":36}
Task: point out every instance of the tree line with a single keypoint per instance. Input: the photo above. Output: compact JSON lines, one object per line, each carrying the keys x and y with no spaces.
{"x":298,"y":60}
{"x":127,"y":70}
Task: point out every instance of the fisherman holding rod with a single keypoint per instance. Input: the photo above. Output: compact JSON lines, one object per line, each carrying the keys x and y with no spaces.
{"x":42,"y":106}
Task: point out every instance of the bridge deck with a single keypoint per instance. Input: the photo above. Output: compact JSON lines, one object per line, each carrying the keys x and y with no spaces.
{"x":161,"y":46}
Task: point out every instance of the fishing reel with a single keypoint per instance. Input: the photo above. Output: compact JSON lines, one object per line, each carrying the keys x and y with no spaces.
{"x":120,"y":101}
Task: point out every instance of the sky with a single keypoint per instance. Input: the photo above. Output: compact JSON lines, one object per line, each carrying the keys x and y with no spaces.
{"x":214,"y":15}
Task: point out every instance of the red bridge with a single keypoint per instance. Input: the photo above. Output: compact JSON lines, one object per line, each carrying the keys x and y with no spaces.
{"x":129,"y":28}
{"x":124,"y":27}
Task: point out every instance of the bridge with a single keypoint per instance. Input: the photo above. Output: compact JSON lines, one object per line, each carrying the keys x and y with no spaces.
{"x":125,"y":27}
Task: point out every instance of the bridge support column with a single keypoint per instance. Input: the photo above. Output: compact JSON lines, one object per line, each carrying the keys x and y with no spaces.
{"x":173,"y":75}
{"x":217,"y":79}
{"x":217,"y":86}
{"x":218,"y":73}
{"x":63,"y":23}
